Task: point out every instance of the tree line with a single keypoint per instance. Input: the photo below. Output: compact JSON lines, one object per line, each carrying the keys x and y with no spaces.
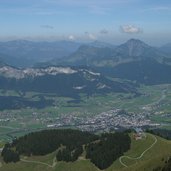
{"x":102,"y":150}
{"x":109,"y":148}
{"x":45,"y":142}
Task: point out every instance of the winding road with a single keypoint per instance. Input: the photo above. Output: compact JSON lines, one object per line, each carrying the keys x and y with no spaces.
{"x":139,"y":157}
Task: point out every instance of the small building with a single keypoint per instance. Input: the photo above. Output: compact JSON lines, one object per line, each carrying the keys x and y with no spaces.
{"x":139,"y":134}
{"x":138,"y":130}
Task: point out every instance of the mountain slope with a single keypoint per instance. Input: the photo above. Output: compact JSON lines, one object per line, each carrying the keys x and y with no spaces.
{"x":132,"y":50}
{"x":148,"y":71}
{"x":137,"y":49}
{"x":100,"y":44}
{"x":88,"y":55}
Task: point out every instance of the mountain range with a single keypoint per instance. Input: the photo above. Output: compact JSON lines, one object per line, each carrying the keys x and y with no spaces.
{"x":132,"y":50}
{"x":133,"y":60}
{"x":63,"y":81}
{"x":23,"y":53}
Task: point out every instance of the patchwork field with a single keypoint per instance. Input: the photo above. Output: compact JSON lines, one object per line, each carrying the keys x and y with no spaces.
{"x":153,"y":99}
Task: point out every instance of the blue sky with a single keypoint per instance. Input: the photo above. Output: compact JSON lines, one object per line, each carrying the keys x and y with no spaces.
{"x":113,"y":21}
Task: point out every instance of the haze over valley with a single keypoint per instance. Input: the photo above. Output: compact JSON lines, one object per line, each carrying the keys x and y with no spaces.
{"x":85,"y":85}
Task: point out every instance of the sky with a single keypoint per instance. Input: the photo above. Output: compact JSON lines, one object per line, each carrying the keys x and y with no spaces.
{"x":112,"y":21}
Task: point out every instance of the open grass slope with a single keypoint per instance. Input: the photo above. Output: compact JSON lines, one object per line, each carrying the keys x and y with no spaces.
{"x":154,"y":157}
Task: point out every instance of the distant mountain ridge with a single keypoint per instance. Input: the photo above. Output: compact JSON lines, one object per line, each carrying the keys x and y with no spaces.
{"x":63,"y":81}
{"x":133,"y":60}
{"x":24,"y":53}
{"x":132,"y":50}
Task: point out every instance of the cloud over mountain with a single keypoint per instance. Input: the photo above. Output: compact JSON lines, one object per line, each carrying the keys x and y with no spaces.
{"x":90,"y":36}
{"x":71,"y":37}
{"x":130,"y":29}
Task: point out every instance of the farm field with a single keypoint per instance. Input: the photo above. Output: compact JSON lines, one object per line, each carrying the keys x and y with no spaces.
{"x":154,"y":100}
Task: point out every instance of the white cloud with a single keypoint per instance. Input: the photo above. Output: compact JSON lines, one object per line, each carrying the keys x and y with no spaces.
{"x":130,"y":29}
{"x":90,"y":36}
{"x":71,"y":37}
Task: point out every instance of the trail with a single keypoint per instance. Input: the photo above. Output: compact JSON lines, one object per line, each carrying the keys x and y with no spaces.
{"x":139,"y":157}
{"x":42,"y":163}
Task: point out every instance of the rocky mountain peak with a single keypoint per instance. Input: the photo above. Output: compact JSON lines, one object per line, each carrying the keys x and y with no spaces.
{"x":133,"y":47}
{"x":136,"y":43}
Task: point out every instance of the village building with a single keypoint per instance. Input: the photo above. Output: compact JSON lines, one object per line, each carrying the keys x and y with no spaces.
{"x":139,"y":134}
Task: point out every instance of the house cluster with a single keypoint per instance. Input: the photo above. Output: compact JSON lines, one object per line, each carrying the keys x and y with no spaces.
{"x":139,"y":134}
{"x":105,"y":121}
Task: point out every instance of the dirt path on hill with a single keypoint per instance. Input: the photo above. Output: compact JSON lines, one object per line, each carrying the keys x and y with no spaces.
{"x":139,"y":157}
{"x":42,"y":163}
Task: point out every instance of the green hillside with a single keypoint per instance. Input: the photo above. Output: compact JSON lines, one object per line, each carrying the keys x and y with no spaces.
{"x":154,"y":157}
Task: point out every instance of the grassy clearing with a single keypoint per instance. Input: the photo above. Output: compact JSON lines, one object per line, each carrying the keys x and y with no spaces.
{"x":80,"y":165}
{"x":156,"y":156}
{"x":137,"y":147}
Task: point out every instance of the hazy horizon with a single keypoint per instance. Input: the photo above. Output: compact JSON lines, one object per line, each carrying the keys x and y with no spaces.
{"x":113,"y":21}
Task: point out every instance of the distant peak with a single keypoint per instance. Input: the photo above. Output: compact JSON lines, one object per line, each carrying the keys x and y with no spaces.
{"x":136,"y":42}
{"x":133,"y":48}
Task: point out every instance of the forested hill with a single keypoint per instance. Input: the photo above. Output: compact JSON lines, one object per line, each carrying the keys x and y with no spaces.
{"x":69,"y":145}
